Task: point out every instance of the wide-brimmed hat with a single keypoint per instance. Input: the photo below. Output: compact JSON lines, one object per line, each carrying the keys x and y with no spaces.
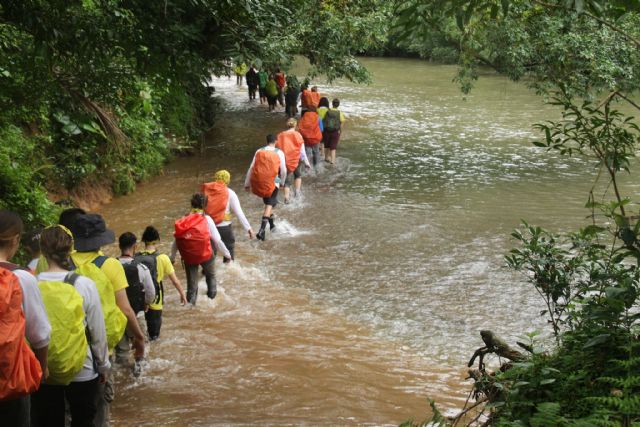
{"x":90,"y":233}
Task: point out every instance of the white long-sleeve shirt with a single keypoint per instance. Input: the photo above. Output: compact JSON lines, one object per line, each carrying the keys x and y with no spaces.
{"x":145,"y":278}
{"x":215,"y":238}
{"x":93,"y":321}
{"x":282,"y":173}
{"x":233,"y":204}
{"x":37,"y":328}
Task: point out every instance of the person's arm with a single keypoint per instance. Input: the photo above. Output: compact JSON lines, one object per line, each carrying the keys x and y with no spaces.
{"x":132,"y":323}
{"x":303,"y":155}
{"x":283,"y":168}
{"x":147,"y":283}
{"x":174,"y":251}
{"x":176,"y":283}
{"x":247,"y":180}
{"x":215,"y":237}
{"x":37,"y":326}
{"x":95,"y":324}
{"x":234,"y":204}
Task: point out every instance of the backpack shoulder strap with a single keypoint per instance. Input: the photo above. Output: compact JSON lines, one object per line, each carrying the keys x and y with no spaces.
{"x":99,"y":260}
{"x":9,"y":266}
{"x":71,"y":278}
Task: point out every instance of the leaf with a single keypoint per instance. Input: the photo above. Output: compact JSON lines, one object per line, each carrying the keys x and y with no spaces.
{"x":548,"y":381}
{"x":598,"y":339}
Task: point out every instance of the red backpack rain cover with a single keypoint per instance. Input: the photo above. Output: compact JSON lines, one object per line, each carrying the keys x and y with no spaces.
{"x":193,"y":239}
{"x":20,"y":371}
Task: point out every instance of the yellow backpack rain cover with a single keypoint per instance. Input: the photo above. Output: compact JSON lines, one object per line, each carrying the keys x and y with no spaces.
{"x":68,"y":345}
{"x":115,"y":321}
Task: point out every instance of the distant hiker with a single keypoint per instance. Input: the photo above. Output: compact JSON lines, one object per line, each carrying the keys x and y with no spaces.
{"x":263,"y":77}
{"x":25,"y":329}
{"x":160,"y":267}
{"x":78,"y":353}
{"x":193,"y":237}
{"x":310,"y":127}
{"x":240,"y":70}
{"x":141,"y":291}
{"x":323,"y":107}
{"x":310,"y":98}
{"x":90,"y":234}
{"x":266,"y":174}
{"x":333,"y":120}
{"x":252,"y":82}
{"x":221,"y":200}
{"x":292,"y":144}
{"x":271,"y":90}
{"x":281,"y":81}
{"x":292,"y":92}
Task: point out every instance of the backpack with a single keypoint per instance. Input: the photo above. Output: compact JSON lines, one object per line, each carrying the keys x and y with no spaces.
{"x":68,"y":344}
{"x":20,"y":371}
{"x":331,"y":120}
{"x":135,"y":291}
{"x":193,"y":238}
{"x":151,"y":262}
{"x":115,"y":321}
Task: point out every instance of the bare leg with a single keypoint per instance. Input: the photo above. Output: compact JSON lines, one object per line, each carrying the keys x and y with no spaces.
{"x":287,"y":190}
{"x":333,"y":156}
{"x":297,"y":183}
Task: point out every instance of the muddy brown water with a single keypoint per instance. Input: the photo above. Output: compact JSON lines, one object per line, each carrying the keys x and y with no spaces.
{"x":369,"y":298}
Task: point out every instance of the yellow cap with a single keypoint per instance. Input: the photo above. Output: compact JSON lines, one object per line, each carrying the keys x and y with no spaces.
{"x":222,"y":176}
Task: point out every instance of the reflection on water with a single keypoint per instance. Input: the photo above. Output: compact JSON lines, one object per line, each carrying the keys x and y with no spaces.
{"x":370,"y":294}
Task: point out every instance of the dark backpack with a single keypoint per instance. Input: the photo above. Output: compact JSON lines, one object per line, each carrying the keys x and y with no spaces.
{"x":331,"y":121}
{"x":151,"y":261}
{"x":135,"y":291}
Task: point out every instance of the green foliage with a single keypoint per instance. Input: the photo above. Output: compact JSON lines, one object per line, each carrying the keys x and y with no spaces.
{"x":20,"y":182}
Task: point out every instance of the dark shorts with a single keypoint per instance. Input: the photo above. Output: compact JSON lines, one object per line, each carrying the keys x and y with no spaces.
{"x":271,"y":200}
{"x":297,"y":173}
{"x":272,"y":100}
{"x":262,"y":93}
{"x":331,"y":139}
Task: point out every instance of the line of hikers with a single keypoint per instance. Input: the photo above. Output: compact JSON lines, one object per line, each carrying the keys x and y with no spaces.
{"x":73,"y":311}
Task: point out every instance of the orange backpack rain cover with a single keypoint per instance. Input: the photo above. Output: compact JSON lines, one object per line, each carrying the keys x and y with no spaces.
{"x":264,"y":173}
{"x":20,"y":371}
{"x":217,"y":199}
{"x":310,"y":128}
{"x":193,"y":239}
{"x":290,"y":142}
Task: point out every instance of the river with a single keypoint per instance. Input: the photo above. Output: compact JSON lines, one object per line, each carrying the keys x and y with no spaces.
{"x":369,"y":297}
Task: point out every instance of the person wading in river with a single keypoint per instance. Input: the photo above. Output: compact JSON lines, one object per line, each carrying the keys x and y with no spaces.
{"x":194,"y":235}
{"x":252,"y":82}
{"x":281,"y":81}
{"x":25,"y":329}
{"x":78,"y":354}
{"x":221,"y":201}
{"x":160,"y":267}
{"x":310,"y":127}
{"x":90,"y":234}
{"x":292,"y":144}
{"x":141,"y":291}
{"x":333,"y":120}
{"x":267,"y":172}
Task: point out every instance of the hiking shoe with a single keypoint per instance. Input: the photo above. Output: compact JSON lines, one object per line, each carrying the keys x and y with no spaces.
{"x":260,"y":234}
{"x":272,"y":224}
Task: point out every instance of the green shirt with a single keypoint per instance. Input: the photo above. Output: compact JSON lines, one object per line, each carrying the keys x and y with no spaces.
{"x":263,"y":77}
